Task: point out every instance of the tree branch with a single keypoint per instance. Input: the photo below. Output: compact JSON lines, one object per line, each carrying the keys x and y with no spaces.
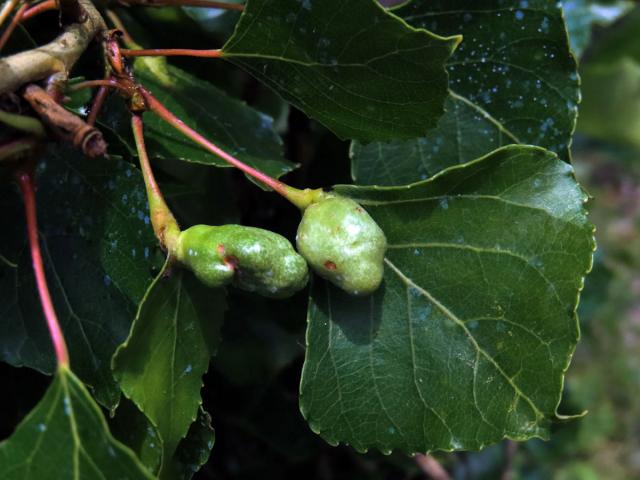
{"x":58,"y":56}
{"x":66,"y":125}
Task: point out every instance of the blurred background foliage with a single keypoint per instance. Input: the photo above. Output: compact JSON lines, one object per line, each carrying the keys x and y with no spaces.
{"x":251,"y":389}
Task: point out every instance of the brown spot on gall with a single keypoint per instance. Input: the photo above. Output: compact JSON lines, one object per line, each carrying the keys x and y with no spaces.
{"x":329,"y":265}
{"x":231,"y":262}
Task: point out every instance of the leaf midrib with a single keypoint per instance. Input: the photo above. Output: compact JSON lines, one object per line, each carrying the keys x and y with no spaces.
{"x":449,"y":314}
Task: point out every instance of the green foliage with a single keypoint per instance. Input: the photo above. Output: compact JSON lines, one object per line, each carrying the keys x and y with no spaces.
{"x":613,"y":66}
{"x":350,"y":65}
{"x":444,"y":313}
{"x":230,"y":123}
{"x":66,"y":433}
{"x":98,"y":250}
{"x":582,"y":15}
{"x":512,"y":69}
{"x":160,"y":366}
{"x":613,"y":116}
{"x":343,"y":244}
{"x":469,"y":336}
{"x":250,"y":258}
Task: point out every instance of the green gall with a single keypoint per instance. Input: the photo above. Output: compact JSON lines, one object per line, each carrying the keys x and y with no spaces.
{"x":343,"y":244}
{"x":249,"y":258}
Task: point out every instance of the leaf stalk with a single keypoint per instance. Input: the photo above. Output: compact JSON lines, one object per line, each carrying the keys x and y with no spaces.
{"x":164,"y":223}
{"x":166,"y":52}
{"x":300,"y":198}
{"x":26,"y":184}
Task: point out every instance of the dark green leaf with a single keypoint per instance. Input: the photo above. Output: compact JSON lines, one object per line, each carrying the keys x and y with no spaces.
{"x":350,"y":65}
{"x":614,"y":117}
{"x":219,"y":23}
{"x":98,"y":249}
{"x":257,"y":345}
{"x":512,"y":80}
{"x":194,"y":450}
{"x":469,"y":336}
{"x":77,"y":101}
{"x":131,"y":427}
{"x":613,"y":66}
{"x":66,"y":433}
{"x":229,"y":123}
{"x":619,"y":41}
{"x":582,"y":15}
{"x":161,"y":364}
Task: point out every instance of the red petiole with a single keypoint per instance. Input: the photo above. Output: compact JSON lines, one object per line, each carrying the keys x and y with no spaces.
{"x":12,"y":26}
{"x":41,"y":7}
{"x":159,"y":109}
{"x":6,"y":10}
{"x":25,"y":181}
{"x":108,"y":83}
{"x":165,"y":52}
{"x":164,"y":223}
{"x":24,"y":13}
{"x":300,"y":198}
{"x":97,"y":104}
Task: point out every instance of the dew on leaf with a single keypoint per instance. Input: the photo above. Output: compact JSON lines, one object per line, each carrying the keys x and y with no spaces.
{"x":423,"y":313}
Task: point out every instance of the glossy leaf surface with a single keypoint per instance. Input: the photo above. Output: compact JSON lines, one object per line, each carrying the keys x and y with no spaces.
{"x":99,"y":252}
{"x":469,"y":336}
{"x":161,"y":364}
{"x":66,"y":433}
{"x":352,"y":66}
{"x":512,"y":80}
{"x":229,"y":123}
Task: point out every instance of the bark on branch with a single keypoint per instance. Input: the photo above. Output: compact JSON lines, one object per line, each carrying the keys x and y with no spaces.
{"x":58,"y":56}
{"x":65,"y":124}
